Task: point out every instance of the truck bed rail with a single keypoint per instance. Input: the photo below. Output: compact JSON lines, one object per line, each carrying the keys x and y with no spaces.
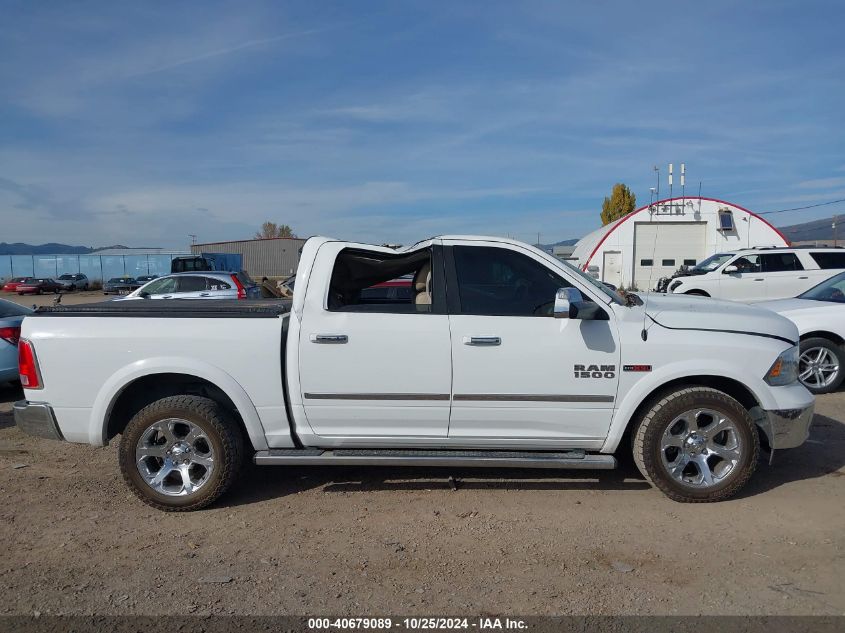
{"x":172,"y":309}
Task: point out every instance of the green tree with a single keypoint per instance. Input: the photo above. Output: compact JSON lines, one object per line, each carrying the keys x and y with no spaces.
{"x":620,"y":203}
{"x":271,"y":229}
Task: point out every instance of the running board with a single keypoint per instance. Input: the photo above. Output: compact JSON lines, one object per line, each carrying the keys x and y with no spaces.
{"x":391,"y":457}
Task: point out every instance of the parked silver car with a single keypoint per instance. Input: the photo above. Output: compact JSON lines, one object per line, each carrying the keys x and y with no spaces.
{"x":204,"y":285}
{"x":73,"y":281}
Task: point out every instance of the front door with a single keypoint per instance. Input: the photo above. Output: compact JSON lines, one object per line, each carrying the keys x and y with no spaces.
{"x":521,"y":376}
{"x":376,"y":364}
{"x":747,"y":283}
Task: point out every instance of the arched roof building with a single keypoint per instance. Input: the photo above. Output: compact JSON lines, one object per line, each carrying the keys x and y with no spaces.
{"x":657,"y":239}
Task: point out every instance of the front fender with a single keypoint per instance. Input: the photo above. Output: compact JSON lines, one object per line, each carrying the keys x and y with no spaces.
{"x":651,"y":382}
{"x":122,"y":378}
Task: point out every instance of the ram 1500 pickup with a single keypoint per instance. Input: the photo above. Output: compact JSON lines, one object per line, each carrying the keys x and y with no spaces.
{"x":500,"y":356}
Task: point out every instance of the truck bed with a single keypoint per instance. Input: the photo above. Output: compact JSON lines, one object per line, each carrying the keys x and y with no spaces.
{"x":173,"y":309}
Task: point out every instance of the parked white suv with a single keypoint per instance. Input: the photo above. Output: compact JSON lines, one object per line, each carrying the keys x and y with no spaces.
{"x":758,"y":274}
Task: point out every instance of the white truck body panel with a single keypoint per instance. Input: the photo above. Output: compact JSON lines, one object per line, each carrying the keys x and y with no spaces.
{"x":522,"y":393}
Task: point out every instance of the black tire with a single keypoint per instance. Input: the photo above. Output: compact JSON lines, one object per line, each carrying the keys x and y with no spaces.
{"x":838,"y":352}
{"x":224,"y":438}
{"x":648,"y":434}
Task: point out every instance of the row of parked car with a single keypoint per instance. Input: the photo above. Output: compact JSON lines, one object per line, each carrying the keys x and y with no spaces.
{"x":203,"y":285}
{"x":40,"y":285}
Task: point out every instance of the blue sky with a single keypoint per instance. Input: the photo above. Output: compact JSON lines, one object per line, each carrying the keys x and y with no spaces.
{"x":139,"y":123}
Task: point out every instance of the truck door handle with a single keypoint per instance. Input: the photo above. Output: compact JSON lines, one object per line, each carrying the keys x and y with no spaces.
{"x":803,"y":278}
{"x":482,"y":340}
{"x":758,"y":280}
{"x":205,"y":294}
{"x":335,"y":339}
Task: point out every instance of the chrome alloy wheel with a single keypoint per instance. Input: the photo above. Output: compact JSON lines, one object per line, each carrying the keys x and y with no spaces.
{"x":700,"y":448}
{"x":818,"y":367}
{"x":174,"y":457}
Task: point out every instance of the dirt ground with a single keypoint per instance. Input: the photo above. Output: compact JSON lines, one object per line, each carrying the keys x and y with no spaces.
{"x":375,"y":541}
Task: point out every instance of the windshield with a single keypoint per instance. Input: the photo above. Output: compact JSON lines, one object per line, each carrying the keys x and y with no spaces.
{"x":712,"y":262}
{"x":595,"y":283}
{"x":831,"y":290}
{"x":68,"y":277}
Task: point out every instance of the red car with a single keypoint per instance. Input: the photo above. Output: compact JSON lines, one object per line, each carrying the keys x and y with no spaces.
{"x":36,"y":286}
{"x":13,"y":283}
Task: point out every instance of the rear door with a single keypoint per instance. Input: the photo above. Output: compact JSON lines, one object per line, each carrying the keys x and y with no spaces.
{"x":372,"y":368}
{"x":785,"y":275}
{"x":191,"y":287}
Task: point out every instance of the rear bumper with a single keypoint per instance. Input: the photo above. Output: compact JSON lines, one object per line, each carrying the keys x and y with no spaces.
{"x":785,"y":428}
{"x":37,"y":418}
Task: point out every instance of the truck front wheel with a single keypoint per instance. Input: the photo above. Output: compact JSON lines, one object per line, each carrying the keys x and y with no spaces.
{"x":180,"y":453}
{"x":696,"y":445}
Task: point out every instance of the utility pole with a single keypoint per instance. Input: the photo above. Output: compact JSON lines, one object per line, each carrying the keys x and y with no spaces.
{"x":193,"y":238}
{"x":835,"y":241}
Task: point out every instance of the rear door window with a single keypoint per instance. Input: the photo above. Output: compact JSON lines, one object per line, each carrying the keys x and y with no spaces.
{"x":190,"y":283}
{"x":780,"y":262}
{"x":827,"y":260}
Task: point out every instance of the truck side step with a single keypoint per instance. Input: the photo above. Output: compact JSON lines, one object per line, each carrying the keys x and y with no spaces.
{"x":392,"y":457}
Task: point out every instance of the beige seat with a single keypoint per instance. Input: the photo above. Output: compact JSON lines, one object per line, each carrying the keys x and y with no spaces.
{"x":422,"y":286}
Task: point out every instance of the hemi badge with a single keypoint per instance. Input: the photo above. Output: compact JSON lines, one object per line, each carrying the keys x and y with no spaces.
{"x":636,"y":368}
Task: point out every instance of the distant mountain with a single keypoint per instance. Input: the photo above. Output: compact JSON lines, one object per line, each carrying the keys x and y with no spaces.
{"x":49,"y":249}
{"x":549,"y":247}
{"x":814,"y":230}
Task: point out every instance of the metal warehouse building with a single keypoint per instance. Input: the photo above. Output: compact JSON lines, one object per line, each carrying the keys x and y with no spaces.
{"x":271,"y":257}
{"x":657,"y":239}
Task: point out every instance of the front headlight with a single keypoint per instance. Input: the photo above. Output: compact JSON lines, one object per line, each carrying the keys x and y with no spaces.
{"x":784,"y":371}
{"x":674,"y":285}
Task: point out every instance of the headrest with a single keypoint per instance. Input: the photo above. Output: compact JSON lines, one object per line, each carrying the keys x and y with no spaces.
{"x":421,"y":279}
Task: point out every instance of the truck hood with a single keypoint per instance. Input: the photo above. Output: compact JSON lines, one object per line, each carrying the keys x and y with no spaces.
{"x":686,"y":312}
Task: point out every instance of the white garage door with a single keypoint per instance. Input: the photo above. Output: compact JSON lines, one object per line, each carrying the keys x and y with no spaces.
{"x":660,"y":248}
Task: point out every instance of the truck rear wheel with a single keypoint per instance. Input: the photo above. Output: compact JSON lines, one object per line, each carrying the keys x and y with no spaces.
{"x":181,"y":453}
{"x":697,"y":445}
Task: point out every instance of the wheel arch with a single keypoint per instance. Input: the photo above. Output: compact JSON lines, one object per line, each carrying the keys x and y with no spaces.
{"x":698,"y":292}
{"x":731,"y":386}
{"x":831,"y":336}
{"x":133,"y":387}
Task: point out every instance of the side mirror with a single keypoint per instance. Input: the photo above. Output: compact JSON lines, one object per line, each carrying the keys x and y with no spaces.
{"x":565,"y":301}
{"x":570,"y":304}
{"x":144,"y":295}
{"x":729,"y":270}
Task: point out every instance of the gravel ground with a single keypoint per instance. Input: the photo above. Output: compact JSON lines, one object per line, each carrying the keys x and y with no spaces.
{"x":370,"y":541}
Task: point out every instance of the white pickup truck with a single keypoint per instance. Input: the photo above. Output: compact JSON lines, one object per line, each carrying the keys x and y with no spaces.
{"x":500,"y":356}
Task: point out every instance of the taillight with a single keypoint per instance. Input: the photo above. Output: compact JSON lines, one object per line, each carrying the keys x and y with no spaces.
{"x":28,"y":366}
{"x":240,"y":287}
{"x":10,"y":334}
